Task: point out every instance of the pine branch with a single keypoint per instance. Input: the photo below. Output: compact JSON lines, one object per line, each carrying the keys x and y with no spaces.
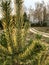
{"x":3,"y":50}
{"x":44,"y":57}
{"x":28,"y":50}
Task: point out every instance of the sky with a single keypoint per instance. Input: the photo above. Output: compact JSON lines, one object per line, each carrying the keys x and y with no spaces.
{"x":28,"y":4}
{"x":31,"y":3}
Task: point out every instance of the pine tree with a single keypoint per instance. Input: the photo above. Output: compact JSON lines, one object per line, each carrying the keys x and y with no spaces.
{"x":13,"y":47}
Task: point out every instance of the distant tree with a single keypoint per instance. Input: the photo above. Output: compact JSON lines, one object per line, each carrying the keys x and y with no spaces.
{"x":44,"y":13}
{"x":40,"y":12}
{"x":25,"y":17}
{"x":47,"y":17}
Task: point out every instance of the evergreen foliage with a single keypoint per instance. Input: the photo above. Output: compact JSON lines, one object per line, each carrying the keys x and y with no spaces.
{"x":13,"y":48}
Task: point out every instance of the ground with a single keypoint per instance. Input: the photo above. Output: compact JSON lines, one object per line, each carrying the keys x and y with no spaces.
{"x":43,"y":29}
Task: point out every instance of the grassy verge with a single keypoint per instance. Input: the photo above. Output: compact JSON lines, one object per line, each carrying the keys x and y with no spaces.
{"x":43,"y":29}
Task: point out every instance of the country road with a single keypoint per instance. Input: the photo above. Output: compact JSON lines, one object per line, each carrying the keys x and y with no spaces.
{"x":39,"y":32}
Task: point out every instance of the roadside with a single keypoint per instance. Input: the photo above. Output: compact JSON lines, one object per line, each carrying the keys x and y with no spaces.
{"x":42,"y":29}
{"x":39,"y":32}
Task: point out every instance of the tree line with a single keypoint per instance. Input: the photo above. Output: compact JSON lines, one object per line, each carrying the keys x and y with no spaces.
{"x":40,"y":13}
